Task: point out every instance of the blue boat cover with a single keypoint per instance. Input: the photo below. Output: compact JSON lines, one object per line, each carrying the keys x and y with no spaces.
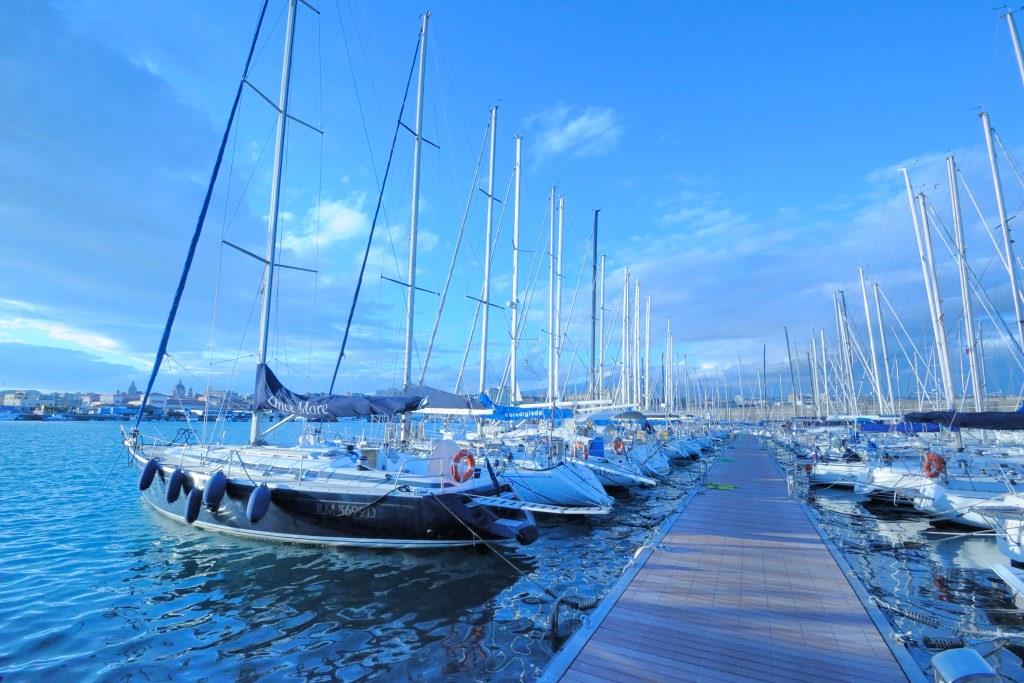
{"x":512,"y":413}
{"x":984,"y":420}
{"x":272,"y":395}
{"x":896,"y":427}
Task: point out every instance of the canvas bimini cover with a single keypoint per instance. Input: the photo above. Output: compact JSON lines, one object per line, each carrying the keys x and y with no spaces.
{"x":951,"y":419}
{"x":272,"y":395}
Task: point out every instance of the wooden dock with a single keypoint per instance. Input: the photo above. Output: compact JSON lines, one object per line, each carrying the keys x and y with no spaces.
{"x":741,"y":587}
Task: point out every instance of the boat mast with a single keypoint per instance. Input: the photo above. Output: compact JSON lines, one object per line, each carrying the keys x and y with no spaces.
{"x":942,"y":346}
{"x":600,"y":324}
{"x":1009,"y":262}
{"x":686,"y":380}
{"x":876,"y":380}
{"x":1016,"y":43}
{"x":558,"y":301}
{"x":923,"y":257}
{"x":647,"y":358}
{"x":414,"y":216}
{"x":792,"y":375}
{"x":551,"y":295}
{"x":812,"y":363}
{"x":636,"y":342}
{"x":981,"y":363}
{"x":667,"y":367}
{"x":487,"y":255}
{"x":885,"y":349}
{"x":965,"y":292}
{"x":593,"y":313}
{"x":275,"y":197}
{"x":515,"y":271}
{"x":624,"y":378}
{"x":847,"y":350}
{"x":824,"y":373}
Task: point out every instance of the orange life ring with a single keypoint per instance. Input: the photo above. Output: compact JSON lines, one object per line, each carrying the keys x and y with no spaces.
{"x":463,"y":466}
{"x":934,"y":465}
{"x":619,"y":446}
{"x":580,"y":450}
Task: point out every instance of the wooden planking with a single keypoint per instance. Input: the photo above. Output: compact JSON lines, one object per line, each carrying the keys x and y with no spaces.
{"x":741,"y":587}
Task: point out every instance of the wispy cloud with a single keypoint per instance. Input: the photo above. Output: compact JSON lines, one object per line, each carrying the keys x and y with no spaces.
{"x":22,"y":322}
{"x":334,"y":220}
{"x":590,"y":132}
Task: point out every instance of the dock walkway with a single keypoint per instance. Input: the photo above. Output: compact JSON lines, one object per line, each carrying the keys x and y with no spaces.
{"x":742,"y":587}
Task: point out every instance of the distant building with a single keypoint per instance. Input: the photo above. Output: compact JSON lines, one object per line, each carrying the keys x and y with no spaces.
{"x":26,"y":399}
{"x":179,"y":390}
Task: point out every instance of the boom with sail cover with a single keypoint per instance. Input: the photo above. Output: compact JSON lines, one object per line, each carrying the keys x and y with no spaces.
{"x":982,"y":420}
{"x":515,"y":413}
{"x":272,"y":395}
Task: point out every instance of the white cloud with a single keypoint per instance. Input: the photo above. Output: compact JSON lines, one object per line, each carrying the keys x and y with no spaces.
{"x":592,"y":132}
{"x":334,"y":220}
{"x":22,"y":322}
{"x":18,"y":304}
{"x":19,"y":329}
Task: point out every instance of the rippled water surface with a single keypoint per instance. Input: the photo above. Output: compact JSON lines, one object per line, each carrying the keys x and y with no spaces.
{"x":96,"y":586}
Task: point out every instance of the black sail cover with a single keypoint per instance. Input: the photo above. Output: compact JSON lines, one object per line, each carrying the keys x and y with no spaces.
{"x":956,"y":420}
{"x":272,"y":395}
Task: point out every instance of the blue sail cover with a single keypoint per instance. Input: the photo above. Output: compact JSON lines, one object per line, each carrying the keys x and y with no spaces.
{"x":956,"y":420}
{"x":272,"y":395}
{"x":896,"y":427}
{"x":512,"y":414}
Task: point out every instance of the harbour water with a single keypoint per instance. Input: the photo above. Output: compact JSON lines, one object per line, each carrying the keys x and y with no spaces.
{"x":941,"y":574}
{"x":96,"y":586}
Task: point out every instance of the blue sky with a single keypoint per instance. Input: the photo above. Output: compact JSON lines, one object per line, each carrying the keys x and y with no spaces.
{"x":744,"y":157}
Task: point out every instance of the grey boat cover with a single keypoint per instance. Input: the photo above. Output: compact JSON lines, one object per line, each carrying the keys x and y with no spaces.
{"x":272,"y":395}
{"x":955,"y":420}
{"x":444,"y":400}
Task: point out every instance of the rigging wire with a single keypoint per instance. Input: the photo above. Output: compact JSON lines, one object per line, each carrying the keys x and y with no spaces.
{"x":373,"y":224}
{"x":162,"y":348}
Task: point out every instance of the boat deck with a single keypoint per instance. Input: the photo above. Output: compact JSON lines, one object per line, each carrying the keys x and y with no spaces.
{"x":741,"y":587}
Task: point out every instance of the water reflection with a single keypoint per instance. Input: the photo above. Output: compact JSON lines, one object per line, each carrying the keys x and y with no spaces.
{"x":96,"y":584}
{"x":939,"y":572}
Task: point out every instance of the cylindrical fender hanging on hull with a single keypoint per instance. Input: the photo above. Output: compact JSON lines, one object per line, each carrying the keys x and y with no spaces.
{"x":192,"y":504}
{"x":148,"y":472}
{"x":215,"y":489}
{"x":259,"y":503}
{"x":174,"y":484}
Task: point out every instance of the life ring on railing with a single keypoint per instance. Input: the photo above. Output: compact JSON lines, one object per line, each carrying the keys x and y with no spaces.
{"x":580,"y":450}
{"x":934,"y":465}
{"x":463,"y":466}
{"x":618,"y":445}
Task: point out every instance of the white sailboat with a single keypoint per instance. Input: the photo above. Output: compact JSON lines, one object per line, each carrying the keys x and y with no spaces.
{"x":321,"y":493}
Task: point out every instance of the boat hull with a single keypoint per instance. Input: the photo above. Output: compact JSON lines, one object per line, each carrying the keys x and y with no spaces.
{"x":398,"y":519}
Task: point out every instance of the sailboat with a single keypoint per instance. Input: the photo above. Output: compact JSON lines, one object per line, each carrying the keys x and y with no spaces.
{"x":321,"y":493}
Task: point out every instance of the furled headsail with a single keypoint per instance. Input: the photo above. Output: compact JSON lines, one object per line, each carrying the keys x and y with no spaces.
{"x":272,"y":395}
